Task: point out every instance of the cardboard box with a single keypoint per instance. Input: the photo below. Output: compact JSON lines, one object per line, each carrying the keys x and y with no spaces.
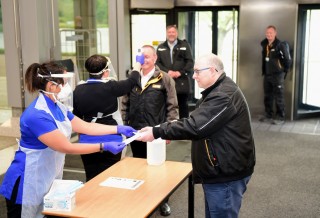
{"x":62,"y":195}
{"x":64,"y":203}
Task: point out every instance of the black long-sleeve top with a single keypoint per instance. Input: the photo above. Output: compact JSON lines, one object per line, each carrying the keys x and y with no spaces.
{"x":97,"y":96}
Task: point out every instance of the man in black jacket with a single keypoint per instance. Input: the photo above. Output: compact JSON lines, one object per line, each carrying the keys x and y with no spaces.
{"x":223,"y":150}
{"x":276,"y":61}
{"x":175,"y":58}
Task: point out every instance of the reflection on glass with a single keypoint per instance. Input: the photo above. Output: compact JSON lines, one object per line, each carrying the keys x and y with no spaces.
{"x":203,"y":40}
{"x":203,"y":33}
{"x":228,"y":41}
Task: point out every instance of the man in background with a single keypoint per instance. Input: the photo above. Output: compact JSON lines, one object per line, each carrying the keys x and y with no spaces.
{"x":175,"y":58}
{"x":276,"y":62}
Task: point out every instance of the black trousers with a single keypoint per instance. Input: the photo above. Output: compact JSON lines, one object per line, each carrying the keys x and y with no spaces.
{"x":14,"y":209}
{"x":96,"y":163}
{"x":274,"y":94}
{"x":139,"y":149}
{"x":183,"y":105}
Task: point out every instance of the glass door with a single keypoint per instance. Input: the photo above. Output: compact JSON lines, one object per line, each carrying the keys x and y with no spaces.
{"x":211,"y":30}
{"x":206,"y":29}
{"x":309,"y":76}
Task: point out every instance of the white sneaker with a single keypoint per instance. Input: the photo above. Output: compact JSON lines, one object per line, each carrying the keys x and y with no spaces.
{"x":266,"y":119}
{"x":278,"y":122}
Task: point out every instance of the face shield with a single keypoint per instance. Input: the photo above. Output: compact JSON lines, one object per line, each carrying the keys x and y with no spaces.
{"x":112,"y":72}
{"x":65,"y":96}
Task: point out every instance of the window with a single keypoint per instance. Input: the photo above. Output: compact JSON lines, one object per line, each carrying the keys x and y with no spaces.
{"x":84,"y":31}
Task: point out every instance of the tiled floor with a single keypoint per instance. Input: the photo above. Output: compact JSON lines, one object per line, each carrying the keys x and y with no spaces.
{"x":281,"y":182}
{"x":305,"y":126}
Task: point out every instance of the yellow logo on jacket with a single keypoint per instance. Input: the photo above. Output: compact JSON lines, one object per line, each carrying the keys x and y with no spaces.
{"x":156,"y":86}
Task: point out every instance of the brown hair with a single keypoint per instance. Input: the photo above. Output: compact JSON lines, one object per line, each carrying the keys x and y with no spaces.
{"x":272,"y":27}
{"x":38,"y":75}
{"x":172,"y":26}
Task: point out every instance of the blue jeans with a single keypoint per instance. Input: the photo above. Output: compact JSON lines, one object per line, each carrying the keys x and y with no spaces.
{"x":223,"y":200}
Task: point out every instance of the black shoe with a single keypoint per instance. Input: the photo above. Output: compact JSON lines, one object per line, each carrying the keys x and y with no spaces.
{"x":165,"y":209}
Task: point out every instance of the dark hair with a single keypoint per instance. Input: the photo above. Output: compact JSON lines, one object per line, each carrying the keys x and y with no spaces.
{"x":272,"y":27}
{"x":35,"y":82}
{"x":172,"y":26}
{"x":94,"y":64}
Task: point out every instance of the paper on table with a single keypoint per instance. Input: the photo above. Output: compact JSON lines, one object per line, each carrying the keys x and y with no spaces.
{"x":131,"y":139}
{"x":125,"y":183}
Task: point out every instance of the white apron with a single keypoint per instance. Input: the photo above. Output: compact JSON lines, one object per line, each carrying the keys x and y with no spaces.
{"x":42,"y":167}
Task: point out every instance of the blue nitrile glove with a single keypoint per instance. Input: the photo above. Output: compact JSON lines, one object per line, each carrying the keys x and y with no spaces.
{"x":113,"y":147}
{"x":128,"y":131}
{"x":140,"y":58}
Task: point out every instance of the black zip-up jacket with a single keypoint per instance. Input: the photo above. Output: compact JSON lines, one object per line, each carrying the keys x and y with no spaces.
{"x":181,"y":56}
{"x":275,"y":63}
{"x":223,"y":147}
{"x":182,"y":61}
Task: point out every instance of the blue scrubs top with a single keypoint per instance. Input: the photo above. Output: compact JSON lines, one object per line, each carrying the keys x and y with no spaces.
{"x":33,"y":123}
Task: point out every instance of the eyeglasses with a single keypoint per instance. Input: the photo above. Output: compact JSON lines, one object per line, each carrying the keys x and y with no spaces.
{"x":199,"y":70}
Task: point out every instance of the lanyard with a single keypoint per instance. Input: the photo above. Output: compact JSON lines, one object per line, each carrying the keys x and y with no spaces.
{"x":268,"y":50}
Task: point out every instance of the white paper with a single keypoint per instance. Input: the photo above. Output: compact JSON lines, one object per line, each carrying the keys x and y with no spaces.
{"x":131,"y":139}
{"x":125,"y":183}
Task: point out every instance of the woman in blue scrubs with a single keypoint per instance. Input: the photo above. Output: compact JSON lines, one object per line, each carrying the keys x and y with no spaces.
{"x":46,"y":127}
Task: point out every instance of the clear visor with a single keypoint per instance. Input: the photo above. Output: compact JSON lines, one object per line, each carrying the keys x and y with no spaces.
{"x":112,"y":72}
{"x":65,"y":96}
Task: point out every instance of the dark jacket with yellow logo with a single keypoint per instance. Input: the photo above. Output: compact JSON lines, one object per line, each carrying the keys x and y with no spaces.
{"x":151,"y":105}
{"x":276,"y":58}
{"x":223,"y":147}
